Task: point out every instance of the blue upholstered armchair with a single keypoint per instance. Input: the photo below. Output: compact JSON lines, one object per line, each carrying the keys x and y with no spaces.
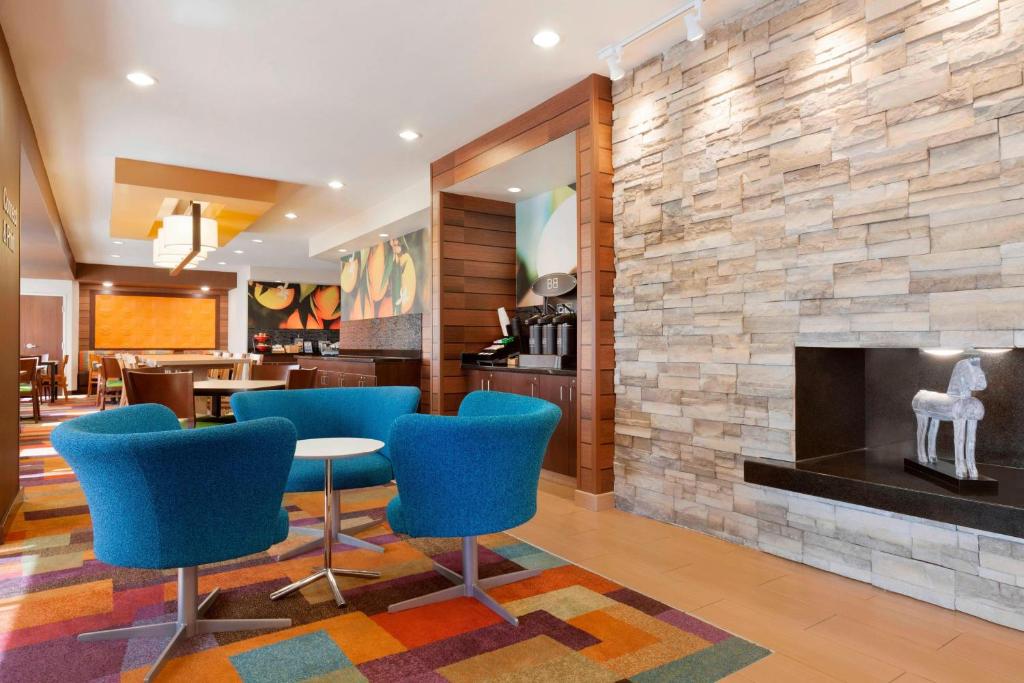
{"x":162,"y":497}
{"x":366,"y":412}
{"x":469,"y":475}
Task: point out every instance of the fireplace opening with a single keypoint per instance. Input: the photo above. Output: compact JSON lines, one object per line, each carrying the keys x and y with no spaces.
{"x":855,"y":425}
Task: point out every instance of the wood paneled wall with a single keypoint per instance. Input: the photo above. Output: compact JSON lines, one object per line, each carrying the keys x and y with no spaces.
{"x":583,"y":109}
{"x":596,"y":282}
{"x":11,"y":112}
{"x":86,"y":318}
{"x":478,"y":275}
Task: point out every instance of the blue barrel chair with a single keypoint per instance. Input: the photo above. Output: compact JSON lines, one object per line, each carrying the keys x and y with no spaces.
{"x":469,"y":475}
{"x":164,"y":497}
{"x":366,"y":412}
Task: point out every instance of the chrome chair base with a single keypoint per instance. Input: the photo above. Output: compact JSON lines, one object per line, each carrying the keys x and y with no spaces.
{"x":341,"y":534}
{"x":468,"y":584}
{"x":189,"y":622}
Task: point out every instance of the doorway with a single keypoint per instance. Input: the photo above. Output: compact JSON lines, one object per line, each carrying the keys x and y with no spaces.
{"x":42,"y":326}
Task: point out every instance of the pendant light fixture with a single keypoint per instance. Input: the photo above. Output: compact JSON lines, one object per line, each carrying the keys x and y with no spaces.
{"x":184,"y":240}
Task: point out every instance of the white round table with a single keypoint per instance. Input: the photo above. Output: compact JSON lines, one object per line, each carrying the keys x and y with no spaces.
{"x":329,"y":450}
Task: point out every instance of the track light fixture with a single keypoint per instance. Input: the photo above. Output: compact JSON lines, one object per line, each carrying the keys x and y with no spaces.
{"x":694,"y":31}
{"x":692,"y":13}
{"x":615,"y":70}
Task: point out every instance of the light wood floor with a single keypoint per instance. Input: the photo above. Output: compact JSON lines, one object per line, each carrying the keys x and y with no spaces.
{"x":820,"y":626}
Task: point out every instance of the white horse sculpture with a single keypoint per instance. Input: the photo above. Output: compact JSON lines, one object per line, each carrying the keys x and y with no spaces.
{"x":956,"y":406}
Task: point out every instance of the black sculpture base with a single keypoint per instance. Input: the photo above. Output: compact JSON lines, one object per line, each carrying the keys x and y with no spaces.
{"x":943,"y":473}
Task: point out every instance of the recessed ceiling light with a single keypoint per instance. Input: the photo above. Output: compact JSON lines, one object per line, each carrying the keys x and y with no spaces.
{"x":409,"y":135}
{"x":335,"y":184}
{"x":515,"y":189}
{"x":115,"y":256}
{"x":191,"y":266}
{"x":205,"y":288}
{"x":222,"y":263}
{"x":291,"y":215}
{"x":384,"y":234}
{"x":108,"y":283}
{"x":279,"y":281}
{"x":258,"y":241}
{"x":546,"y":39}
{"x":141,"y":79}
{"x":343,"y":250}
{"x":239,"y":251}
{"x":118,"y":242}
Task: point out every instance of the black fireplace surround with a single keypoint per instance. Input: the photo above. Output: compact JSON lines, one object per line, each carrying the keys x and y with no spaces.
{"x":854,"y":427}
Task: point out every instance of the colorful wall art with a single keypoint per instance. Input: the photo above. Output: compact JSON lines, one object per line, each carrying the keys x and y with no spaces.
{"x":387,"y":279}
{"x":293,"y":306}
{"x":123,"y":321}
{"x":545,"y":239}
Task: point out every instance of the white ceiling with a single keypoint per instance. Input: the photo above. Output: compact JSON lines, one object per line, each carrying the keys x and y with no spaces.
{"x":301,"y":91}
{"x":537,"y":171}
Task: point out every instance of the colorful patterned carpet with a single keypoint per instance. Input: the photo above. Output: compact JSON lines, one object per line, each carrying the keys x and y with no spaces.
{"x":574,"y":625}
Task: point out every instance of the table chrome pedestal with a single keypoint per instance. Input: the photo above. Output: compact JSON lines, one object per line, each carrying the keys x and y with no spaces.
{"x":328,"y":571}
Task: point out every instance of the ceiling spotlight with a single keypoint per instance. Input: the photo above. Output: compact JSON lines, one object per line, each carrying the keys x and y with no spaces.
{"x":141,"y":79}
{"x":205,"y":288}
{"x":258,"y":241}
{"x":513,"y":190}
{"x":546,"y":39}
{"x":108,"y":283}
{"x":118,"y":242}
{"x":342,"y":251}
{"x":694,"y":31}
{"x":335,"y":184}
{"x":408,"y":135}
{"x":115,"y":256}
{"x":614,"y":59}
{"x":222,"y":263}
{"x":384,"y":234}
{"x":291,"y":215}
{"x":239,"y":251}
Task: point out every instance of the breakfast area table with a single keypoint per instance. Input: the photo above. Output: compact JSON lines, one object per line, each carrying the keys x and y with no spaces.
{"x":218,"y":388}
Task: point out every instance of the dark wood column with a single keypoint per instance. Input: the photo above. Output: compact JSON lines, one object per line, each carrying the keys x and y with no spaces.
{"x":473,"y":259}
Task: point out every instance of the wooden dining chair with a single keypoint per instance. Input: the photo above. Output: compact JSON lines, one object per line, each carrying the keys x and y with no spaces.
{"x":271,"y":371}
{"x":28,"y":382}
{"x":171,"y":389}
{"x":301,"y":378}
{"x":111,"y":381}
{"x":57,"y":377}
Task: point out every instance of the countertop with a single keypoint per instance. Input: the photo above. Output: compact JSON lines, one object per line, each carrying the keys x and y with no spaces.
{"x":529,"y":371}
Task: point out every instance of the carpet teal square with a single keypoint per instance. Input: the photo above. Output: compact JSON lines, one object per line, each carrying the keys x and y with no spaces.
{"x":528,"y":557}
{"x":295,"y":659}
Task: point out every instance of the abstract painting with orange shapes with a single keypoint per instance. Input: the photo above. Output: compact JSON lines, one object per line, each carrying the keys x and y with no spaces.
{"x":387,"y":279}
{"x":294,"y":306}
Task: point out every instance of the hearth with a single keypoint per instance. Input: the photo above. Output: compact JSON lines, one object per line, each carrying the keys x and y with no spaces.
{"x":855,"y":427}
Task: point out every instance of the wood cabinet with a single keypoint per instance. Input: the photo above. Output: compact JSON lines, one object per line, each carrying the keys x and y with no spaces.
{"x":363,"y":371}
{"x":558,"y":389}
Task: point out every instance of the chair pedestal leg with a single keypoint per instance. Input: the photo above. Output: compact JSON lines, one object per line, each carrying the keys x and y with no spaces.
{"x":468,"y":584}
{"x":189,"y":621}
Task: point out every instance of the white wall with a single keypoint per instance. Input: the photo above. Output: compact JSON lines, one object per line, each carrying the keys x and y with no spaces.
{"x":68,"y":290}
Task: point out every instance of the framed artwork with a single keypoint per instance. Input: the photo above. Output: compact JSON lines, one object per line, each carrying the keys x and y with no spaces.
{"x":293,"y":306}
{"x":387,"y":279}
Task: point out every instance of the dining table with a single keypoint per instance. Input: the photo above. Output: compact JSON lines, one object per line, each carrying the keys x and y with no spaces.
{"x":218,"y":388}
{"x":199,"y":363}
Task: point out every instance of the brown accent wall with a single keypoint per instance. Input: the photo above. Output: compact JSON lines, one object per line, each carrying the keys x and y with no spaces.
{"x":478,"y":275}
{"x":86,"y":317}
{"x":11,"y":111}
{"x":456,"y":324}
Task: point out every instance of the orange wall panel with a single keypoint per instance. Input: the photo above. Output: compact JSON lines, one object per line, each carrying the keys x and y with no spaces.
{"x":154,"y":322}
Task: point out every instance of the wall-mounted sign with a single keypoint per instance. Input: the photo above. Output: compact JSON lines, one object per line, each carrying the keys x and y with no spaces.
{"x":554,"y":284}
{"x":10,"y":230}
